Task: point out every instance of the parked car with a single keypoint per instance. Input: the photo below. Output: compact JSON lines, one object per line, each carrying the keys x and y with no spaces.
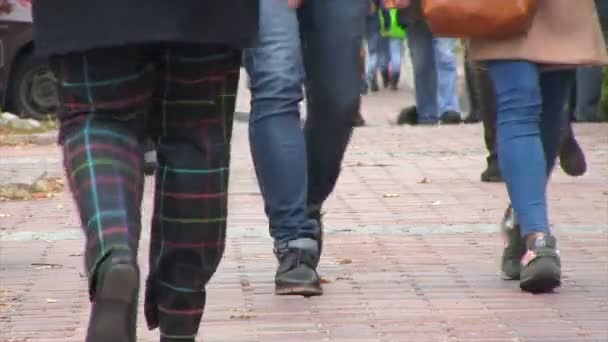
{"x":27,"y":86}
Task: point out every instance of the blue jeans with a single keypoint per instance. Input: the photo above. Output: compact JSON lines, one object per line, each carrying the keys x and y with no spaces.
{"x":378,"y":48}
{"x":530,"y":115}
{"x":395,"y":46}
{"x":319,"y":45}
{"x":435,"y":74}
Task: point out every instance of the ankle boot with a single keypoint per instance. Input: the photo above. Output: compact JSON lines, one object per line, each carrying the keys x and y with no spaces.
{"x":114,"y":297}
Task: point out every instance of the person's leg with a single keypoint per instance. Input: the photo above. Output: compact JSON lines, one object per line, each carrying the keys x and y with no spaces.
{"x":472,"y":91}
{"x":383,"y":59}
{"x":554,"y":88}
{"x":571,"y":155}
{"x":486,"y":101}
{"x":104,"y":96}
{"x":526,"y":152}
{"x":332,"y":31}
{"x":420,"y":42}
{"x":193,"y":112}
{"x":373,"y":48}
{"x":276,"y":138}
{"x":447,"y":80}
{"x":396,"y":51}
{"x":588,"y":93}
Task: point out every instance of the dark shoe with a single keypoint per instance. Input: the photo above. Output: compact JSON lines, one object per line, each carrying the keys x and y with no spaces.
{"x":408,"y":116}
{"x":358,"y":121}
{"x":394,"y":81}
{"x":150,"y":162}
{"x":514,"y":247}
{"x":451,"y":118}
{"x":364,"y":87}
{"x":114,"y":314}
{"x":296,"y":274}
{"x":373,"y":85}
{"x":492,"y":173}
{"x":572,"y":157}
{"x":471,"y":119}
{"x":385,"y":78}
{"x":541,"y":264}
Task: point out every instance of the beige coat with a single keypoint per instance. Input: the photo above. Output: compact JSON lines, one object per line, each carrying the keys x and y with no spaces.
{"x":563,"y":32}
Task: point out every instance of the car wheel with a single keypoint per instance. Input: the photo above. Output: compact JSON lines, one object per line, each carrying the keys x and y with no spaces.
{"x":33,"y":90}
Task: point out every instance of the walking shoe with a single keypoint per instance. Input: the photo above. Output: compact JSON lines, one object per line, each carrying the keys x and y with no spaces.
{"x":408,"y":116}
{"x":373,"y":85}
{"x":492,"y":173}
{"x":572,"y":157}
{"x":541,"y":266}
{"x":385,"y":78}
{"x":472,"y":119}
{"x":514,"y":248}
{"x":358,"y":121}
{"x":114,"y":297}
{"x":296,"y":274}
{"x":451,"y":118}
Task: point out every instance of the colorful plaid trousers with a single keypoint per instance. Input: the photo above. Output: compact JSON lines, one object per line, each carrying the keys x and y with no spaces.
{"x":183,"y":96}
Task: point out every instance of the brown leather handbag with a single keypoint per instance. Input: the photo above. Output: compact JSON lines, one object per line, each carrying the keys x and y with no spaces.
{"x":486,"y":19}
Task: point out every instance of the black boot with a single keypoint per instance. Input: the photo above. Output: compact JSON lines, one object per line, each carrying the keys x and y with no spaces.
{"x":408,"y":116}
{"x":296,"y":274}
{"x":358,"y":120}
{"x":373,"y":85}
{"x":114,"y":297}
{"x":385,"y":78}
{"x":572,"y":157}
{"x":394,"y":81}
{"x":492,"y":173}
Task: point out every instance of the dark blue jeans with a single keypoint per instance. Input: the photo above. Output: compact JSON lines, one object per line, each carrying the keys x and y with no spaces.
{"x":530,"y":114}
{"x":317,"y":46}
{"x":586,"y":94}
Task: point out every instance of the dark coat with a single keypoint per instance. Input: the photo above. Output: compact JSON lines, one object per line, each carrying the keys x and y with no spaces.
{"x":63,"y":26}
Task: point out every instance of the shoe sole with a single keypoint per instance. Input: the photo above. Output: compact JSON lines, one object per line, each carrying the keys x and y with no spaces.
{"x":541,"y":275}
{"x":492,"y":179}
{"x":299,"y":290}
{"x":113,"y":306}
{"x":505,"y":276}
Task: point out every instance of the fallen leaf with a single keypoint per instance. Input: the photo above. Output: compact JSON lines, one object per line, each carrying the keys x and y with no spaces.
{"x":243,"y":316}
{"x":390,"y":195}
{"x":324,"y":281}
{"x":424,"y":181}
{"x":345,"y":261}
{"x":51,"y":300}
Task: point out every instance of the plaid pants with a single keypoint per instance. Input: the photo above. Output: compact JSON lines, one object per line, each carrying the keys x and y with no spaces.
{"x":183,"y":96}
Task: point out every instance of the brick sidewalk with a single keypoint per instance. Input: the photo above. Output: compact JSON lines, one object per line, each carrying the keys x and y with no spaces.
{"x":405,"y":260}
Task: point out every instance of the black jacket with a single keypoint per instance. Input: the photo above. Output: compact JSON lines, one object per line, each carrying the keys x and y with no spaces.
{"x":63,"y":26}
